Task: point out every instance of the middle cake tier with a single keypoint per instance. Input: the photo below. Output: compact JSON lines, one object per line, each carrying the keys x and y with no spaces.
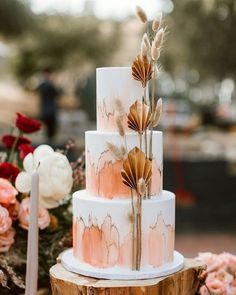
{"x":104,"y":162}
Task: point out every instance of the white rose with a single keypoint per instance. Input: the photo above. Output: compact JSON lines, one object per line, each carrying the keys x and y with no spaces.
{"x":55,"y":175}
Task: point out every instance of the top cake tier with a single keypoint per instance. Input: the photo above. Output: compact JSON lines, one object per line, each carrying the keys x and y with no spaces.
{"x":114,"y":84}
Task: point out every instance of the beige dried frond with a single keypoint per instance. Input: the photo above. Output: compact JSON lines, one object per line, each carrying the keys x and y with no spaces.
{"x":135,"y":167}
{"x":131,"y":218}
{"x":156,"y":23}
{"x":155,"y":73}
{"x":145,"y":39}
{"x":158,"y":40}
{"x":141,"y":187}
{"x":119,"y":107}
{"x":120,"y":126}
{"x":141,"y":14}
{"x":144,"y":50}
{"x":142,"y":70}
{"x":156,"y":116}
{"x":117,"y":152}
{"x":123,"y":150}
{"x":139,"y":117}
{"x":155,"y":53}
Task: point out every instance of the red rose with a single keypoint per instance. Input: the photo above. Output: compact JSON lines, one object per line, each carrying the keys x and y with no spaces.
{"x":8,"y":141}
{"x":8,"y":171}
{"x":25,"y":149}
{"x":27,"y":125}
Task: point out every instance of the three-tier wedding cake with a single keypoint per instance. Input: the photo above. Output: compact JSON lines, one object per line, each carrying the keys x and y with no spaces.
{"x":124,"y":222}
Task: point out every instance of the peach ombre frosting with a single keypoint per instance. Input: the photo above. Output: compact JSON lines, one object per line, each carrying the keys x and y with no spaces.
{"x":105,"y":180}
{"x":103,"y":247}
{"x":102,"y":230}
{"x":103,"y":170}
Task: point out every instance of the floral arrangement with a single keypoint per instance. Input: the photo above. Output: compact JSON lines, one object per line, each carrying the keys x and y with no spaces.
{"x":220,"y":276}
{"x":144,"y":115}
{"x":57,"y":179}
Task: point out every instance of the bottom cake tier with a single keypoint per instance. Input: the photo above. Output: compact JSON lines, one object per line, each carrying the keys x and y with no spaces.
{"x":102,"y":231}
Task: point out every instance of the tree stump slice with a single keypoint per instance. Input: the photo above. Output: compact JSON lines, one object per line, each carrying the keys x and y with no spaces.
{"x":184,"y":282}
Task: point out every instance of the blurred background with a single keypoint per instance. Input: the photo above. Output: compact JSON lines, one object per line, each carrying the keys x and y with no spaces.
{"x":66,"y":40}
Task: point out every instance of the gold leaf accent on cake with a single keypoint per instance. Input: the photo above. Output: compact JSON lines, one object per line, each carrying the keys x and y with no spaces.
{"x":136,"y":166}
{"x":139,"y":117}
{"x":142,"y":70}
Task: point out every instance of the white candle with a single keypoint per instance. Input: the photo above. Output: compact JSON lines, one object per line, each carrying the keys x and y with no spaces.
{"x":33,"y":232}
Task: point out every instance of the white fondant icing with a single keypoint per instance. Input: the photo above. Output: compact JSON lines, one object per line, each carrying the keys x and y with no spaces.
{"x":87,"y":207}
{"x":115,"y":83}
{"x":96,"y":144}
{"x":119,"y":273}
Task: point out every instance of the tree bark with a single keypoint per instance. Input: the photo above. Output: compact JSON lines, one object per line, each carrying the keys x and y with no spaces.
{"x":184,"y":282}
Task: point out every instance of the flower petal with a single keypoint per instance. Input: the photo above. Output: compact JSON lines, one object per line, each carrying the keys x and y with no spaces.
{"x":41,"y":152}
{"x":28,"y":163}
{"x":48,"y":203}
{"x":23,"y":182}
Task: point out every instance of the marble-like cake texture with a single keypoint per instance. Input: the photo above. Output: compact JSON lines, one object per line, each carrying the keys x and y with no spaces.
{"x":113,"y":84}
{"x":102,"y":231}
{"x":103,"y":169}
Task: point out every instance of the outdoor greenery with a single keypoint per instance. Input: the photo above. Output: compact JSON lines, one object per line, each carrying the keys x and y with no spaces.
{"x":63,"y":41}
{"x":202,"y":36}
{"x":15,"y":18}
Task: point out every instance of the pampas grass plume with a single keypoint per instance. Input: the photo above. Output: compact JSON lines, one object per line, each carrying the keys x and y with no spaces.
{"x":158,"y":40}
{"x":141,"y":14}
{"x":156,"y":23}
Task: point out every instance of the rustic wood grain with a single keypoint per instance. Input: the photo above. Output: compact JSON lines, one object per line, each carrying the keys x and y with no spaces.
{"x":184,"y":282}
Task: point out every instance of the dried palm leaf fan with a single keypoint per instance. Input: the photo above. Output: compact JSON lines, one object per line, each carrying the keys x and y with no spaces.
{"x":139,"y":117}
{"x":136,"y":167}
{"x":142,"y":70}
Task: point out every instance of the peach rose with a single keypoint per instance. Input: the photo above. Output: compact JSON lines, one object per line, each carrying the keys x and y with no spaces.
{"x":5,"y":220}
{"x":7,"y":192}
{"x":224,"y":276}
{"x":6,"y":240}
{"x":217,"y":287}
{"x":43,"y":215}
{"x":13,"y":210}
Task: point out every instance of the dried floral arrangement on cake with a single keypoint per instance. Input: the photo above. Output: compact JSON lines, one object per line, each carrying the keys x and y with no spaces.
{"x":144,"y":115}
{"x":54,"y":219}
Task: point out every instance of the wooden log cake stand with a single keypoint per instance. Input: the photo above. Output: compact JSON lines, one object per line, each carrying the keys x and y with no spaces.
{"x":184,"y":282}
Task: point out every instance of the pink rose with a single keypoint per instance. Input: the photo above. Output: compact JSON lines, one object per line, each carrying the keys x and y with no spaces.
{"x":6,"y":240}
{"x":43,"y":216}
{"x":7,"y":192}
{"x":5,"y":220}
{"x":224,"y":276}
{"x":215,"y":286}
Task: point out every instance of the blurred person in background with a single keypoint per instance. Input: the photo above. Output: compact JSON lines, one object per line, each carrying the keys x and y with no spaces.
{"x":48,"y":93}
